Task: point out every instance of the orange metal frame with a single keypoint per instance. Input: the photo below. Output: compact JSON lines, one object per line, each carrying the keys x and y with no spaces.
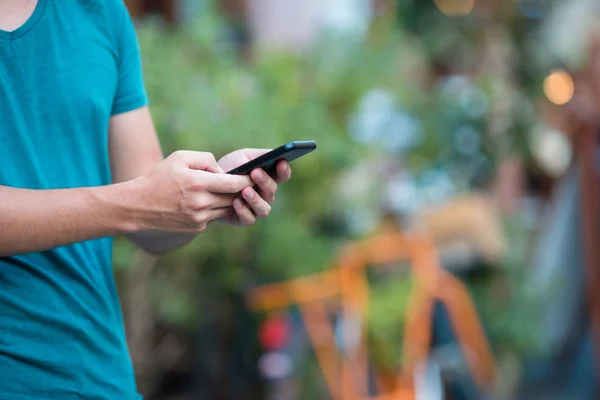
{"x":346,"y":375}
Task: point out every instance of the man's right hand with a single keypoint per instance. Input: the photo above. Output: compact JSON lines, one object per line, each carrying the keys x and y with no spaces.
{"x":184,"y":193}
{"x":160,"y":211}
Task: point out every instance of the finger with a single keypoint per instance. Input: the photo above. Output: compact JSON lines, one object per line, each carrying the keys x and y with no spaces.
{"x":244,"y":212}
{"x":211,"y":216}
{"x":197,"y":160}
{"x":223,"y":183}
{"x":217,"y":213}
{"x":266,"y":184}
{"x":258,"y":205}
{"x":284,"y":171}
{"x":211,"y":201}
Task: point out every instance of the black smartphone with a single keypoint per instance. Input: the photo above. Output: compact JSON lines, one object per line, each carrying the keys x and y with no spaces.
{"x":268,"y":161}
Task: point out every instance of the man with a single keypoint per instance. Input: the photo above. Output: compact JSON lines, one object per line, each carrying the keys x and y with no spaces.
{"x":79,"y":163}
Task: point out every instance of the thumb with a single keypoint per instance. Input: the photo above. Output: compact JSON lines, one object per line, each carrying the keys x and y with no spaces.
{"x":201,"y":161}
{"x":255,"y":153}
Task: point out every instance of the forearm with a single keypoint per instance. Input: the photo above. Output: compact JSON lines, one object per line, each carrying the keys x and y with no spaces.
{"x":37,"y":220}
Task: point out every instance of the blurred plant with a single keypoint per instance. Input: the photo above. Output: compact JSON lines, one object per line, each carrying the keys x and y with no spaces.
{"x":203,"y":97}
{"x":504,"y":298}
{"x":387,"y":307}
{"x":507,"y":307}
{"x":369,"y":106}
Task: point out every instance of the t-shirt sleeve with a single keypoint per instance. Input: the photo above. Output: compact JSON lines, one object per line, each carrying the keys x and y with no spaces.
{"x":130,"y":93}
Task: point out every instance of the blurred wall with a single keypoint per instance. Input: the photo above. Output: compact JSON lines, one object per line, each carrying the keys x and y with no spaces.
{"x":296,"y":25}
{"x":283,"y":24}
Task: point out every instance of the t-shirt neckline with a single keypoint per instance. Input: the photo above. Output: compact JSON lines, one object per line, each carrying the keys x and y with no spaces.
{"x":28,"y":25}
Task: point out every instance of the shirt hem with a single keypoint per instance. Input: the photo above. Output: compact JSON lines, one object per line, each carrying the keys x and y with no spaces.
{"x":20,"y":397}
{"x":71,"y":397}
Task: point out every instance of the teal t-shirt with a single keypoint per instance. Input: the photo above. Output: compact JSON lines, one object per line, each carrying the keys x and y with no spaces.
{"x":72,"y":65}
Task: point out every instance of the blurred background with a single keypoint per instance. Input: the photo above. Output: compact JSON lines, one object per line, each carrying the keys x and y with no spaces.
{"x":441,"y":243}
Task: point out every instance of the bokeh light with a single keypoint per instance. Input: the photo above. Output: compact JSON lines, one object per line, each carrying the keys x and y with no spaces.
{"x":454,"y":8}
{"x":559,"y":87}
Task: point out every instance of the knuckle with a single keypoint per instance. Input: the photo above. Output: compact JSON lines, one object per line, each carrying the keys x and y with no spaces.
{"x":209,"y":157}
{"x":194,"y":182}
{"x":199,"y":203}
{"x":249,"y":221}
{"x":178,"y":155}
{"x":201,"y":228}
{"x":198,"y":185}
{"x":199,"y":220}
{"x":269,"y":197}
{"x":187,"y":182}
{"x":264,"y":212}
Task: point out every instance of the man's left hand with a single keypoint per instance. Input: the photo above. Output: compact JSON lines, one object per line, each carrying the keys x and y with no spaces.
{"x":254,"y":203}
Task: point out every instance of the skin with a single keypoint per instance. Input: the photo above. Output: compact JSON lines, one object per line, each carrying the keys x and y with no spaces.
{"x":13,"y":13}
{"x":159,"y":204}
{"x":241,"y":207}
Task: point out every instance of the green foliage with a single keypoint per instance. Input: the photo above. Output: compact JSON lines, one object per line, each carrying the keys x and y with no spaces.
{"x":508,"y":306}
{"x":387,"y":308}
{"x":203,"y":97}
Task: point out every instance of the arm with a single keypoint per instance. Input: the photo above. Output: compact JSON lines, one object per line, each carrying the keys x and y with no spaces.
{"x":135,"y":151}
{"x":181,"y":194}
{"x":36,"y":220}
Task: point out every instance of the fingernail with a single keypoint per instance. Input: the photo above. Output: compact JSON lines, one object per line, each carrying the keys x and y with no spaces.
{"x":284,"y":168}
{"x":259,"y":175}
{"x":237,"y":203}
{"x":249,"y":194}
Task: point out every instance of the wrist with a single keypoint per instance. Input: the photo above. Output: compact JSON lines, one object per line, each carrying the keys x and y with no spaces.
{"x":118,"y":206}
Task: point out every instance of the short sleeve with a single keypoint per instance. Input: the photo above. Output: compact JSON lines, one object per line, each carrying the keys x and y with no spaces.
{"x":130,"y":93}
